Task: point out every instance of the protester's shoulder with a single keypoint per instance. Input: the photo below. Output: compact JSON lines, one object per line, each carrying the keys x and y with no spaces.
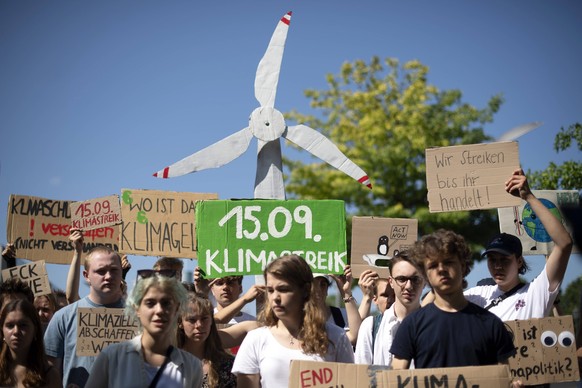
{"x":333,"y":330}
{"x":190,"y":358}
{"x":259,"y":332}
{"x":367,"y":322}
{"x":481,"y":312}
{"x":480,"y":290}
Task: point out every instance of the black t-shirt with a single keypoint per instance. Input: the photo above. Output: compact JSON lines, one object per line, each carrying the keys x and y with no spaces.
{"x":438,"y":339}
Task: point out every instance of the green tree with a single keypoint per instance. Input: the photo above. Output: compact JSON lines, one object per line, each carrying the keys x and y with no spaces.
{"x":383,"y":115}
{"x":570,"y":301}
{"x":566,"y":176}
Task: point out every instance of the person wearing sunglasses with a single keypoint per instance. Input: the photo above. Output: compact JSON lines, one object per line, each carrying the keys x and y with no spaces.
{"x":150,"y":360}
{"x":407,"y":282}
{"x":103,"y":274}
{"x":294,"y":329}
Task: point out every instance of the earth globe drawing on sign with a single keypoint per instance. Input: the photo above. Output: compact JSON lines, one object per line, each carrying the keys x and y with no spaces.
{"x":532,"y":225}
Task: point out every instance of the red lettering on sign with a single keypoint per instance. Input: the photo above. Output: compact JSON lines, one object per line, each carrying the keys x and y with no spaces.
{"x":311,"y":378}
{"x":56,"y":229}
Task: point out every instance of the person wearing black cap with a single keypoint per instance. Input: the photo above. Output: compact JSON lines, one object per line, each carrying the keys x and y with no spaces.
{"x":509,"y":298}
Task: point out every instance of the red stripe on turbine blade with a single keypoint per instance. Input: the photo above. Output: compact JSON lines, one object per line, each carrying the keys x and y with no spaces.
{"x":166,"y":171}
{"x":156,"y":174}
{"x":365,"y":181}
{"x":285,"y":19}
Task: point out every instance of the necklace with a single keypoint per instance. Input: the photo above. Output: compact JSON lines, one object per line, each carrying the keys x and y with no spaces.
{"x":292,"y":339}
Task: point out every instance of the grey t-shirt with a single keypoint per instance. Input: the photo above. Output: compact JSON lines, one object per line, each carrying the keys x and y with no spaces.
{"x":60,"y":341}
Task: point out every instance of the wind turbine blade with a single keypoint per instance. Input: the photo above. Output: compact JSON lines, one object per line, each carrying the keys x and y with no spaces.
{"x":518,"y":131}
{"x":215,"y":155}
{"x":269,"y":67}
{"x":320,"y":146}
{"x":269,"y":179}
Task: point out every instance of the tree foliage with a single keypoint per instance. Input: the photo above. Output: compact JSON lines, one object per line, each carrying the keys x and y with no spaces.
{"x":566,"y":176}
{"x":383,"y":115}
{"x":570,"y":300}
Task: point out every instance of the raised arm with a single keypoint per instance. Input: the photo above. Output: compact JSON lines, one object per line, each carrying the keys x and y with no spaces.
{"x":557,"y":261}
{"x":200,"y":283}
{"x":344,"y":285}
{"x":225,"y":314}
{"x":9,"y":255}
{"x":366,"y":284}
{"x":74,"y":275}
{"x":234,"y":335}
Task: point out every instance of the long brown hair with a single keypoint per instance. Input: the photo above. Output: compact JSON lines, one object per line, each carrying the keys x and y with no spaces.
{"x":214,"y":352}
{"x":36,"y":362}
{"x":295,"y":270}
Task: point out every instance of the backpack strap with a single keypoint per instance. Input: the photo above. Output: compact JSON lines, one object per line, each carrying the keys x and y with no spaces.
{"x":505,"y":295}
{"x":160,"y":371}
{"x":338,"y":318}
{"x":375,"y":327}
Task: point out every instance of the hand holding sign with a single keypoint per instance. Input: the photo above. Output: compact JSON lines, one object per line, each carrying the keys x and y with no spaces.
{"x":76,"y":238}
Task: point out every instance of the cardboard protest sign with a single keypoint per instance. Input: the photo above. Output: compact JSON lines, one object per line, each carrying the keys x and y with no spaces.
{"x":316,"y":374}
{"x":240,"y":237}
{"x":159,"y":223}
{"x":34,"y":274}
{"x":522,"y":222}
{"x":546,"y":350}
{"x":470,"y":177}
{"x":486,"y":376}
{"x":39,"y":229}
{"x":99,"y":327}
{"x":375,"y":240}
{"x":96,"y":213}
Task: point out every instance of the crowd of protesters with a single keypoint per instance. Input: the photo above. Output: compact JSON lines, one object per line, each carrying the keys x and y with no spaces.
{"x":196,"y":334}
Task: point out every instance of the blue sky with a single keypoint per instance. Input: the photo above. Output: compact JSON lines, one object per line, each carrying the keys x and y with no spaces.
{"x":96,"y":96}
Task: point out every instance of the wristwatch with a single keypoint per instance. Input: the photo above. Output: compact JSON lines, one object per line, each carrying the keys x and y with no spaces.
{"x":349,"y":299}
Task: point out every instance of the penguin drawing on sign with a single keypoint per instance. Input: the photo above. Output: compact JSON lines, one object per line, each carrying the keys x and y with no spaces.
{"x":381,"y":258}
{"x":383,"y":245}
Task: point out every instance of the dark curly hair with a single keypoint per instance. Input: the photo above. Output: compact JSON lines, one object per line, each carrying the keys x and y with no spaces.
{"x":442,"y":243}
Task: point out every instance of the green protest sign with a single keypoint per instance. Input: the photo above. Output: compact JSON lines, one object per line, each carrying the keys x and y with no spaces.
{"x":240,"y":237}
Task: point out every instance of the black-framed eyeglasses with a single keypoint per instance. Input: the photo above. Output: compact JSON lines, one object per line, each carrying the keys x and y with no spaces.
{"x":402,"y":280}
{"x":148,"y":273}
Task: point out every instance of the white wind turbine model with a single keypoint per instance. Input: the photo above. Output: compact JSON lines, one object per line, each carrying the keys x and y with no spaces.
{"x":519,"y":131}
{"x":268,"y":126}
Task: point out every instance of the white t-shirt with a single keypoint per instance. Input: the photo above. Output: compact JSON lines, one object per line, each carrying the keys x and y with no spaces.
{"x":534,"y":300}
{"x":261,"y":353}
{"x":380,"y":354}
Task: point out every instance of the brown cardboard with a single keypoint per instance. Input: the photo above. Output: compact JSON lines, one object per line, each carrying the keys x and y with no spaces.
{"x":316,"y":374}
{"x":489,"y":376}
{"x":536,"y":363}
{"x":34,"y":274}
{"x":99,"y":327}
{"x":372,"y":234}
{"x":470,"y":177}
{"x":96,"y":213}
{"x":39,"y":229}
{"x":159,"y":223}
